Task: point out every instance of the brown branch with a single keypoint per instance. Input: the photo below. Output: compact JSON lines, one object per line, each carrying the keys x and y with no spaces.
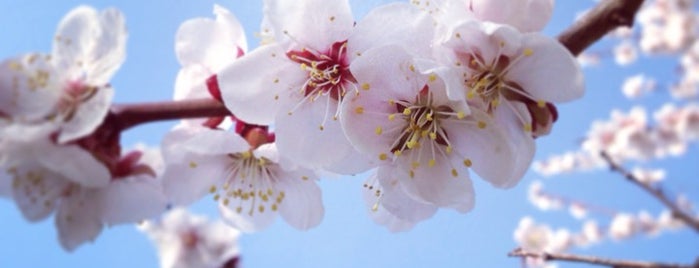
{"x":129,"y":115}
{"x":595,"y":260}
{"x":656,"y":192}
{"x":605,"y":17}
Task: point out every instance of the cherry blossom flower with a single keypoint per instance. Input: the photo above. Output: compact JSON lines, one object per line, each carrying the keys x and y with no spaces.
{"x":71,"y":85}
{"x":666,"y":26}
{"x":625,"y":53}
{"x":623,"y":226}
{"x":186,"y":240}
{"x":428,"y":141}
{"x":508,"y":74}
{"x":47,"y":177}
{"x":301,"y":79}
{"x":648,"y":176}
{"x":249,"y":181}
{"x":637,"y":86}
{"x":532,"y":236}
{"x":203,"y":47}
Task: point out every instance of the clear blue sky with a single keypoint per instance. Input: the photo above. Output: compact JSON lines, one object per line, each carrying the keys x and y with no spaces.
{"x":346,"y":237}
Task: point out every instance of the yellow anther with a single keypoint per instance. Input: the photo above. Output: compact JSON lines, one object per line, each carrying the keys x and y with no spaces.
{"x":239,"y":210}
{"x":415,"y":164}
{"x":412,"y":68}
{"x":321,"y":127}
{"x":375,"y":207}
{"x":431,"y":163}
{"x":429,"y":117}
{"x":193,"y":164}
{"x":303,"y":66}
{"x":391,"y":117}
{"x":261,"y":162}
{"x":261,"y":208}
{"x":406,"y":111}
{"x":528,"y":52}
{"x":246,"y":154}
{"x":541,"y":103}
{"x":482,"y":124}
{"x":226,"y":201}
{"x":274,"y":207}
{"x":495,"y":102}
{"x":411,"y":144}
{"x":378,"y":130}
{"x":365,"y":86}
{"x":305,"y":178}
{"x":217,"y":197}
{"x":433,"y":135}
{"x":528,"y":127}
{"x":383,"y":156}
{"x":471,"y":94}
{"x":412,"y":174}
{"x":502,"y":43}
{"x":398,"y":153}
{"x":212,"y":189}
{"x":359,"y":110}
{"x":454,"y":173}
{"x":468,"y":163}
{"x":460,"y":115}
{"x":432,"y":77}
{"x":448,"y":149}
{"x":391,"y":102}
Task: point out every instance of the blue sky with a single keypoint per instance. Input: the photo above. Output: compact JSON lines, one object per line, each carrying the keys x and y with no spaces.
{"x":346,"y":237}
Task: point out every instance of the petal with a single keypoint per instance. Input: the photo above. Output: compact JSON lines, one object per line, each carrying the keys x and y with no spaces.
{"x":37,"y":191}
{"x":210,"y":43}
{"x":90,"y":44}
{"x":75,"y":164}
{"x":131,"y":199}
{"x":381,"y":216}
{"x":30,"y":88}
{"x":378,"y":68}
{"x":534,"y":72}
{"x":88,"y":116}
{"x":247,"y":221}
{"x":397,"y":202}
{"x":301,"y":139}
{"x":186,"y":182}
{"x":315,"y":23}
{"x":445,"y":184}
{"x":254,"y":86}
{"x":191,"y":82}
{"x":398,"y":24}
{"x":302,"y":207}
{"x":214,"y":142}
{"x":525,"y":15}
{"x":77,"y":220}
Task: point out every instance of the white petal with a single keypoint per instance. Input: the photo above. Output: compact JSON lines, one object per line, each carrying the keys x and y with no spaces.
{"x":210,"y":43}
{"x":315,"y":23}
{"x":550,"y":73}
{"x":381,"y":216}
{"x":77,"y":165}
{"x":379,"y":68}
{"x":90,"y":45}
{"x":214,"y":142}
{"x":77,"y":220}
{"x":191,"y":82}
{"x":37,"y":191}
{"x":254,"y":86}
{"x":302,"y":206}
{"x":300,"y":138}
{"x":88,"y":116}
{"x":525,"y":15}
{"x":397,"y":202}
{"x":131,"y":199}
{"x":30,"y":88}
{"x":397,"y":23}
{"x":247,"y":221}
{"x":437,"y":184}
{"x":187,"y":181}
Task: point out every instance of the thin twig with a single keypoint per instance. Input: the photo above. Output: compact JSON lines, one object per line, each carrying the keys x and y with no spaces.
{"x":656,"y":192}
{"x":603,"y":18}
{"x":129,"y":115}
{"x":519,"y":252}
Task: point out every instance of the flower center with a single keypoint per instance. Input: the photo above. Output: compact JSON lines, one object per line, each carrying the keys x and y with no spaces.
{"x":249,"y":186}
{"x":74,"y":94}
{"x":328,"y":73}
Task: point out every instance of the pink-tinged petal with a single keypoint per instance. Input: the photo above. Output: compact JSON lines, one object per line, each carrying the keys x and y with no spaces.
{"x":381,"y":216}
{"x":314,"y":24}
{"x":466,"y":38}
{"x":364,"y":120}
{"x":302,"y":207}
{"x":131,"y":199}
{"x":188,"y":181}
{"x":395,"y":201}
{"x":88,"y":116}
{"x":525,"y":15}
{"x":29,"y":88}
{"x":254,"y":86}
{"x":268,"y":151}
{"x":37,"y":191}
{"x":300,"y":138}
{"x":398,"y":24}
{"x":191,"y":82}
{"x":248,"y":220}
{"x":77,"y":220}
{"x":75,"y":164}
{"x":90,"y":45}
{"x":210,"y":43}
{"x":546,"y":57}
{"x":372,"y":68}
{"x":445,"y":183}
{"x":214,"y":142}
{"x":521,"y":140}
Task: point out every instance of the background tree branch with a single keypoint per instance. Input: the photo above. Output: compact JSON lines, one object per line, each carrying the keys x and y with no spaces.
{"x":603,"y":18}
{"x":595,"y":260}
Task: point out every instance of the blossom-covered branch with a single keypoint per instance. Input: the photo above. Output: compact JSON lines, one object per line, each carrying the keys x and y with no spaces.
{"x":595,"y":260}
{"x":130,"y":115}
{"x":655,"y":192}
{"x":606,"y":16}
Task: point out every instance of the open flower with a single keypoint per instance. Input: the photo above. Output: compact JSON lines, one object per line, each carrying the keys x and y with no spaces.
{"x":509,"y":74}
{"x":405,"y":119}
{"x":299,"y":82}
{"x":186,"y":240}
{"x":247,"y":180}
{"x":71,"y":85}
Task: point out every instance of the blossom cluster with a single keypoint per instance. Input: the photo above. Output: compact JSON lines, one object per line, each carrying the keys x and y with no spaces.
{"x":422,"y":94}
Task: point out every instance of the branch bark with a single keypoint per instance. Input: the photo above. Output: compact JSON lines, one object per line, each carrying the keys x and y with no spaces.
{"x":656,"y":192}
{"x":130,"y":115}
{"x":595,"y":260}
{"x":603,"y":18}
